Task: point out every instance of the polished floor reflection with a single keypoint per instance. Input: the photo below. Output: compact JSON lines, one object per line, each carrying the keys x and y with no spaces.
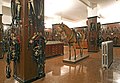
{"x":86,"y":71}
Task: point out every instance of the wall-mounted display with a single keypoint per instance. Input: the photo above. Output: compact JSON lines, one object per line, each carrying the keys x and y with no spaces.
{"x":111,"y":31}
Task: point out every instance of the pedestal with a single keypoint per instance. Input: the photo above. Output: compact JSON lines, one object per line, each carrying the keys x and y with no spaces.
{"x":78,"y":58}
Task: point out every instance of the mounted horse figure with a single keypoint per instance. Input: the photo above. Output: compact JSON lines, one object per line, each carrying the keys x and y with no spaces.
{"x":72,"y":37}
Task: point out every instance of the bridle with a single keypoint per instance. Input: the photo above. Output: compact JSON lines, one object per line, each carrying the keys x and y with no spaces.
{"x":63,"y":30}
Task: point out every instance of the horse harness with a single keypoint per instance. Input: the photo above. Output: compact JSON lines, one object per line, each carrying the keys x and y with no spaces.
{"x":72,"y":34}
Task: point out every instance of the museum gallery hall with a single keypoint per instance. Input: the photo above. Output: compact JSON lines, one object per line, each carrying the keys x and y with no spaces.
{"x":59,"y":41}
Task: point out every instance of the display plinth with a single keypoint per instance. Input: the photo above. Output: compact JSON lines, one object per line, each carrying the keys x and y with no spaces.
{"x":78,"y":58}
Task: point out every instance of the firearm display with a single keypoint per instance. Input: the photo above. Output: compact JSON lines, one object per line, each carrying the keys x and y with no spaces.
{"x":37,"y":44}
{"x":25,"y":40}
{"x":13,"y":51}
{"x":93,"y":34}
{"x":11,"y":38}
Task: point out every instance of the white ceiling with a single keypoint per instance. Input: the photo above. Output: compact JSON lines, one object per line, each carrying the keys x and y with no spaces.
{"x":68,"y":9}
{"x":76,"y":12}
{"x":73,"y":10}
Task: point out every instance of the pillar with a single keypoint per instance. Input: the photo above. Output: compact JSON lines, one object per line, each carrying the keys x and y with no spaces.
{"x":27,"y":70}
{"x":1,"y":30}
{"x":1,"y":37}
{"x":93,"y":30}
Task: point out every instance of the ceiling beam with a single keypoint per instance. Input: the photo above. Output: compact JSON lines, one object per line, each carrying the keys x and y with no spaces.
{"x":88,"y":3}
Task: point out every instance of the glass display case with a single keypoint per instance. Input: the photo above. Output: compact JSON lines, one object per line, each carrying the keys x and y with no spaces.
{"x":54,"y":48}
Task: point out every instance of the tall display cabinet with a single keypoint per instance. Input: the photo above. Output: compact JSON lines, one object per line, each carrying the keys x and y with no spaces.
{"x":93,"y":34}
{"x":26,"y":42}
{"x":27,"y":68}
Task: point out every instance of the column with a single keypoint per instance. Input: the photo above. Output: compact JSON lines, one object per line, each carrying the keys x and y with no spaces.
{"x":27,"y":69}
{"x":93,"y":29}
{"x":1,"y":30}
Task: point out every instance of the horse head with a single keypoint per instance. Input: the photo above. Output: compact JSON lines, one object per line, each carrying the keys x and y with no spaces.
{"x":60,"y":31}
{"x":61,"y":28}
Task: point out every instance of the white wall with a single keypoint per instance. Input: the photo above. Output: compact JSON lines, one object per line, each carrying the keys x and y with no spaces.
{"x":83,"y":23}
{"x":55,"y":20}
{"x":6,"y":11}
{"x":69,"y":23}
{"x":52,"y":20}
{"x":92,"y":12}
{"x":107,"y":14}
{"x":77,"y":24}
{"x":6,"y":19}
{"x":110,"y":13}
{"x":0,"y":6}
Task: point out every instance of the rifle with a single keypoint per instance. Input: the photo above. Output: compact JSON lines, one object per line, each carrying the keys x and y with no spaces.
{"x":13,"y":52}
{"x":37,"y":41}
